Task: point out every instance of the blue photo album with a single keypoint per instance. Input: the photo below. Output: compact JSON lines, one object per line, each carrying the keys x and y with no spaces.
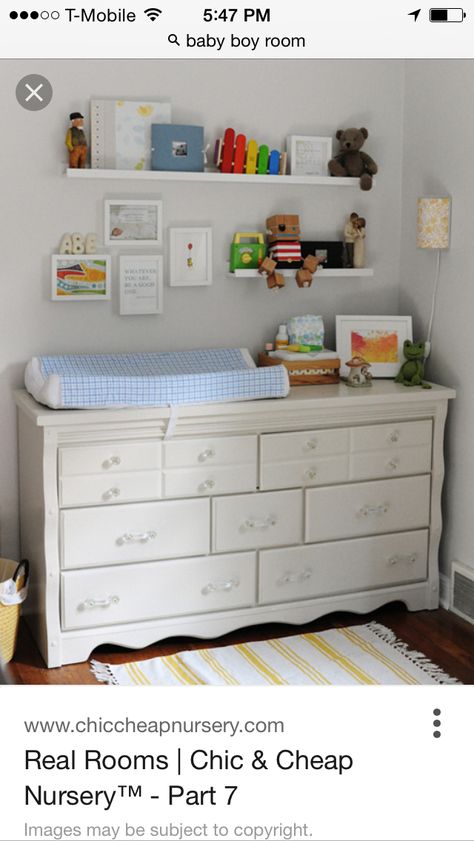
{"x":177,"y":148}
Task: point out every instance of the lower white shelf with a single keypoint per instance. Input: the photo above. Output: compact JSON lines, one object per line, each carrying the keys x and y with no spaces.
{"x":317,"y":276}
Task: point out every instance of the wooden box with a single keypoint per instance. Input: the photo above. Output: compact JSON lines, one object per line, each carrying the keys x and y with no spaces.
{"x":306,"y":372}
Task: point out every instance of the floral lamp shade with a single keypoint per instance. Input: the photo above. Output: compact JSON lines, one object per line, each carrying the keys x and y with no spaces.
{"x":433,"y":223}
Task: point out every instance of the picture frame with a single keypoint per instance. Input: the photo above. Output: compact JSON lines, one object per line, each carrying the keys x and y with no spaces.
{"x":81,"y":277}
{"x":309,"y":155}
{"x":141,"y":284}
{"x":331,"y":251}
{"x":377,"y":338}
{"x":190,"y":257}
{"x":134,"y":222}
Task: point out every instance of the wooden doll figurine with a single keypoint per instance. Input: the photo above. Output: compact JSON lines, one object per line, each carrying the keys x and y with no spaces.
{"x":76,"y":141}
{"x":359,"y":246}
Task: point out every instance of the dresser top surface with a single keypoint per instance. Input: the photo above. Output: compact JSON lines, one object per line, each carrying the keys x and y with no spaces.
{"x":302,"y":398}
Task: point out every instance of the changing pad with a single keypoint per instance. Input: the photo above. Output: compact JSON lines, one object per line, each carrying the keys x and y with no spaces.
{"x":152,"y":379}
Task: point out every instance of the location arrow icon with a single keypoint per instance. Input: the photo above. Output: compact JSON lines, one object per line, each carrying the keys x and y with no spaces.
{"x":415,"y":14}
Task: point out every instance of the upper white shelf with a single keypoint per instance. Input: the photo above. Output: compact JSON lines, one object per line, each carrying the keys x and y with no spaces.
{"x":223,"y":178}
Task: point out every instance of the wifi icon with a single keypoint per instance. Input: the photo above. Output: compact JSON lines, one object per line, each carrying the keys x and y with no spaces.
{"x":153,"y":14}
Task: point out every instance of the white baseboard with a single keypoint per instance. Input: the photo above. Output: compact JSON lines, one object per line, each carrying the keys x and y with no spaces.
{"x":444,"y":591}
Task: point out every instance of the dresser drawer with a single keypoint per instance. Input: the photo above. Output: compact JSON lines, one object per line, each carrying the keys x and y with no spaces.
{"x":391,"y":436}
{"x":323,"y":569}
{"x":209,"y":480}
{"x":123,"y":533}
{"x":254,"y":520}
{"x":117,"y":457}
{"x":135,"y":593}
{"x":377,"y":464}
{"x":314,"y":471}
{"x":302,"y":446}
{"x":107,"y":490}
{"x":367,"y":508}
{"x":200,"y":452}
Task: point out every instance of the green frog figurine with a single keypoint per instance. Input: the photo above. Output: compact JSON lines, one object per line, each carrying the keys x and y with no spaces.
{"x":413,"y":369}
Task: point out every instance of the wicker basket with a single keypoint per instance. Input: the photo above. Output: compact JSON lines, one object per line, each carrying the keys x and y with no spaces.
{"x":13,"y":590}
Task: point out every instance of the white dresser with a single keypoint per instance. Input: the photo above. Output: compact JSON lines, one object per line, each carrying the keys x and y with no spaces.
{"x":142,"y":524}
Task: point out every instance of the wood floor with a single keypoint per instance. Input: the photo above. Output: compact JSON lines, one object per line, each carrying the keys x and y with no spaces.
{"x":443,"y":637}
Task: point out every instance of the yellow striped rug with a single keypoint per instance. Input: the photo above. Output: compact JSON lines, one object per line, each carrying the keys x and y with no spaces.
{"x":361,"y":654}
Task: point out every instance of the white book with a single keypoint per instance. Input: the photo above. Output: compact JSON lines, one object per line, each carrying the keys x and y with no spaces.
{"x":121,"y":132}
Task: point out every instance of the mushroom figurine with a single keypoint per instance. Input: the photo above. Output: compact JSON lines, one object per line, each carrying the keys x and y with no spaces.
{"x":359,"y":374}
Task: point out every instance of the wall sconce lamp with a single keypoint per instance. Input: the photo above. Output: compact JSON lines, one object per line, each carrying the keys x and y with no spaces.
{"x":433,"y":226}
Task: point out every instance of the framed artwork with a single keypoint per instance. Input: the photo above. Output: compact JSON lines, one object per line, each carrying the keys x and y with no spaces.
{"x":377,"y":338}
{"x":134,"y":222}
{"x":81,"y":277}
{"x":309,"y":155}
{"x":190,"y":256}
{"x":141,"y":285}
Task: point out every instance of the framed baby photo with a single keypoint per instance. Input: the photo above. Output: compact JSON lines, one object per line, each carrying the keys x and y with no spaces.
{"x":376,"y":338}
{"x":82,"y":277}
{"x":133,"y":222}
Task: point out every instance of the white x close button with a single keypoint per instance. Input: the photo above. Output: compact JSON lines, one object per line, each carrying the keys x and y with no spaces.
{"x":34,"y":92}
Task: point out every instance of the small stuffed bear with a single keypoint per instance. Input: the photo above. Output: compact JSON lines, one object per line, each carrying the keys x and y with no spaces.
{"x":350,"y":160}
{"x":413,"y":369}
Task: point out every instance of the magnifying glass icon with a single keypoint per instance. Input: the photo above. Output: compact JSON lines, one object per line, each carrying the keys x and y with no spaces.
{"x":173,"y":39}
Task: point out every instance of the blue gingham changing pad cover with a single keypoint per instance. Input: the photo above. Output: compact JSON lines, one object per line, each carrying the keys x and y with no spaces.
{"x":152,"y":379}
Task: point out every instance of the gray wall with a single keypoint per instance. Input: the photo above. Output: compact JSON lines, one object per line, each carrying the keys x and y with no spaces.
{"x":439,"y":133}
{"x":268,"y":99}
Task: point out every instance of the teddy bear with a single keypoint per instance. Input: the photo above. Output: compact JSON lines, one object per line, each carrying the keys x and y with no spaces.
{"x":351,"y":161}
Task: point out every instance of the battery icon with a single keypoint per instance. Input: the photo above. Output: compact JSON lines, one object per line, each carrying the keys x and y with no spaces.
{"x":447,"y":15}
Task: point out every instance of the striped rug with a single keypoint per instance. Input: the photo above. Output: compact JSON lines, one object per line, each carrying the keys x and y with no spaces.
{"x":361,"y":654}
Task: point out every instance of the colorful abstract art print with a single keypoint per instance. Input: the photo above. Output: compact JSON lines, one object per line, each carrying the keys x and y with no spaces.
{"x":80,"y":277}
{"x":375,"y":345}
{"x":376,"y":338}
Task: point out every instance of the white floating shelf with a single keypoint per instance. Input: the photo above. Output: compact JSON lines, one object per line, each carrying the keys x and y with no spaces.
{"x":317,"y":275}
{"x":223,"y":178}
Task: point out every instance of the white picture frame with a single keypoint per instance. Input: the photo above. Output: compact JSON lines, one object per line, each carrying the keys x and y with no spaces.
{"x":190,"y":257}
{"x":373,"y":337}
{"x":81,"y":277}
{"x":309,"y":155}
{"x":141,"y":284}
{"x":133,"y":222}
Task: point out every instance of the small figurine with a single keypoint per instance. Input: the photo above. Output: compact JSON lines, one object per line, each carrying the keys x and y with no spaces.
{"x":413,"y":369}
{"x":76,"y":141}
{"x":359,"y":244}
{"x":350,"y":234}
{"x":274,"y":279}
{"x":359,"y":374}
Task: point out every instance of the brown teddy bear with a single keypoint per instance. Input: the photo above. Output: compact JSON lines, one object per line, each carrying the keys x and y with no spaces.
{"x":351,"y":161}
